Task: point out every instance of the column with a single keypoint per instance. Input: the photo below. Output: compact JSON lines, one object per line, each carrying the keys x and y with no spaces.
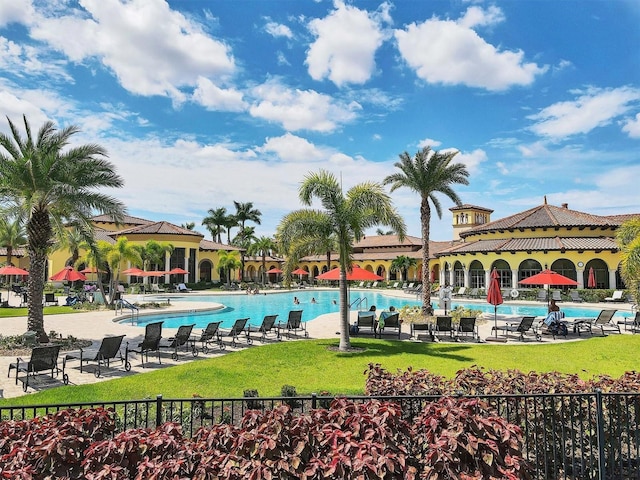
{"x":466,"y":277}
{"x":612,"y":279}
{"x":487,"y":279}
{"x":514,"y":279}
{"x":580,"y":277}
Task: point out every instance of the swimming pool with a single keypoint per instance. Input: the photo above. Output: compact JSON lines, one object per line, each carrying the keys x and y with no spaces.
{"x":255,"y":307}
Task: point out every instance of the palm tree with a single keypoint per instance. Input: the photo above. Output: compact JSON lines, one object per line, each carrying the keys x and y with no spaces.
{"x":428,"y":173}
{"x":93,"y":258}
{"x":380,"y":231}
{"x":365,"y":205}
{"x":628,"y":237}
{"x":215,"y":222}
{"x":402,"y":263}
{"x":72,"y":240}
{"x":245,"y":212}
{"x":12,"y":235}
{"x":153,"y":254}
{"x":48,"y":188}
{"x":189,"y":225}
{"x":228,"y":260}
{"x":263,"y":246}
{"x":114,"y":255}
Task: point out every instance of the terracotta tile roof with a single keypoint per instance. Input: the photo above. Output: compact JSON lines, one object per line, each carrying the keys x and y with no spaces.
{"x":467,"y":206}
{"x":16,"y":252}
{"x":213,"y":246}
{"x":544,"y":216}
{"x":623,"y":217}
{"x":377,"y":241}
{"x":434,"y":248}
{"x":158,"y":228}
{"x":128,"y":220}
{"x":534,"y":244}
{"x":103,"y":235}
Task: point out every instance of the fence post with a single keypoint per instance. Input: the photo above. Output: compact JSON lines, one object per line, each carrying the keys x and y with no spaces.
{"x":314,"y":401}
{"x":602,"y":465}
{"x":158,"y":410}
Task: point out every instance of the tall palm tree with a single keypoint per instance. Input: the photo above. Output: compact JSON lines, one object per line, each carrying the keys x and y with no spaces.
{"x":263,"y":246}
{"x":72,"y":240}
{"x":228,"y":260}
{"x":12,"y":235}
{"x":93,"y":257}
{"x":114,"y":254}
{"x":628,"y":237}
{"x":49,"y":184}
{"x":189,"y":225}
{"x":230,"y":222}
{"x":364,"y":205}
{"x":215,"y":222}
{"x":153,"y":254}
{"x":402,"y":264}
{"x":427,"y":174}
{"x":245,"y":212}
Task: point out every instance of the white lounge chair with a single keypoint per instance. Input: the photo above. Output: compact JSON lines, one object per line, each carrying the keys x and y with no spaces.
{"x":616,"y":297}
{"x":460,"y":292}
{"x":182,"y":288}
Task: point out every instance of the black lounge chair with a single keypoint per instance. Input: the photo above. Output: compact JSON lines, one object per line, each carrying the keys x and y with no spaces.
{"x":295,"y":324}
{"x":575,"y":296}
{"x":239,"y":326}
{"x":603,"y":322}
{"x":524,"y":326}
{"x":182,"y":338}
{"x":151,"y":341}
{"x":43,"y":359}
{"x":110,"y":348}
{"x":631,"y":324}
{"x":444,"y":324}
{"x":468,"y":327}
{"x":210,"y":335}
{"x":367,"y":322}
{"x":50,"y":299}
{"x":391,"y":324}
{"x":268,"y":326}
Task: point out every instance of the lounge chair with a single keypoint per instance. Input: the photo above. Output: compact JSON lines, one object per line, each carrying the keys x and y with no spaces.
{"x":210,"y":335}
{"x":461,"y":291}
{"x":390,"y":324}
{"x":43,"y":359}
{"x":523,"y":327}
{"x":367,"y":323}
{"x":268,"y":326}
{"x":444,"y":324}
{"x":395,"y":285}
{"x":603,"y":322}
{"x":155,"y":288}
{"x":239,"y":327}
{"x":554,"y":324}
{"x":150,"y":342}
{"x":632,"y":324}
{"x":50,"y":299}
{"x":468,"y":327}
{"x":575,"y":296}
{"x":110,"y":348}
{"x":617,"y":296}
{"x":182,"y":288}
{"x":182,"y":338}
{"x":473,"y":293}
{"x":294,"y":324}
{"x":556,"y":295}
{"x":542,"y":295}
{"x":409,"y":287}
{"x":373,"y":285}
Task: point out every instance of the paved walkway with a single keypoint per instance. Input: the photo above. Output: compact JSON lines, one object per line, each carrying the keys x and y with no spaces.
{"x":98,"y":324}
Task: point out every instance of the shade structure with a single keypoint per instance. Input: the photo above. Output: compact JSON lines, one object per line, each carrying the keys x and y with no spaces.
{"x":68,"y":274}
{"x":152,"y":273}
{"x":356,"y":273}
{"x":548,"y":278}
{"x":91,"y":270}
{"x":11,"y":270}
{"x":494,"y":297}
{"x":132,"y":271}
{"x":274,"y":271}
{"x":177,"y":271}
{"x":591,"y":282}
{"x":299,"y":271}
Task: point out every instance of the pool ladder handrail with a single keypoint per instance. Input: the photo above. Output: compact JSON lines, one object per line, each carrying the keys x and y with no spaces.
{"x":358,"y":303}
{"x":122,"y":303}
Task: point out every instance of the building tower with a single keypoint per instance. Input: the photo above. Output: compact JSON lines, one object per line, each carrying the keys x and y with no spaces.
{"x":466,"y":217}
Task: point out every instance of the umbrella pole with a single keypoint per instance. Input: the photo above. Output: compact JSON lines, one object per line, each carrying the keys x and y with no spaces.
{"x":495,"y":319}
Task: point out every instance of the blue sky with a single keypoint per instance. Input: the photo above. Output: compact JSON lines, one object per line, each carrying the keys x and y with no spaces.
{"x":202,"y":102}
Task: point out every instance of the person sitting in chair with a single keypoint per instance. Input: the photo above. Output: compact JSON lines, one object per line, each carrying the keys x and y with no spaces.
{"x":553,"y":322}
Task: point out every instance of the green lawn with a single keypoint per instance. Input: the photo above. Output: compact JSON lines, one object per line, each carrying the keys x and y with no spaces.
{"x":23,"y":311}
{"x":312,"y":367}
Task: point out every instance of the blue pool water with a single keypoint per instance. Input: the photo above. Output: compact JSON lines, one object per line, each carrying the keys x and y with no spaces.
{"x":255,"y":307}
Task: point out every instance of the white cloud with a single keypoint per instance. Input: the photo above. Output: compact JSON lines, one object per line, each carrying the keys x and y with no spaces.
{"x":215,"y":98}
{"x":451,"y":53}
{"x":345,"y":45}
{"x":22,"y":60}
{"x":429,"y":142}
{"x":592,"y":109}
{"x":502,"y":167}
{"x":300,"y":109}
{"x":151,"y":49}
{"x":480,"y":17}
{"x":472,"y":160}
{"x":291,"y":148}
{"x":632,"y":126}
{"x":19,"y":11}
{"x":278,"y":30}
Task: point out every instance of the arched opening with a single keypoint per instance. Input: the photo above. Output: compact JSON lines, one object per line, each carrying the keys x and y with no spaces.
{"x":458,"y":275}
{"x":565,"y":267}
{"x":504,"y":273}
{"x":204,"y":271}
{"x":600,"y":271}
{"x":476,"y":275}
{"x":528,"y":268}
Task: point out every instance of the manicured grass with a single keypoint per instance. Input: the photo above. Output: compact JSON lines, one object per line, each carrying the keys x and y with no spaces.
{"x":23,"y":311}
{"x":311,"y":366}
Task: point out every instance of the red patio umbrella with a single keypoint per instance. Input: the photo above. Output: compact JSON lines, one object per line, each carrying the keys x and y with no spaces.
{"x":274,"y":270}
{"x":11,"y":270}
{"x":548,"y":278}
{"x":356,"y":273}
{"x":132,"y":271}
{"x":299,"y":271}
{"x":68,"y":274}
{"x":91,"y":270}
{"x":152,"y":273}
{"x":591,"y":282}
{"x":494,"y":297}
{"x":177,"y":271}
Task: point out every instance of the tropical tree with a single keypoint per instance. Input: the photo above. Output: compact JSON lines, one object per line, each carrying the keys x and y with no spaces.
{"x":263,"y":246}
{"x":72,"y":239}
{"x":114,"y":254}
{"x":48,"y":184}
{"x":216,"y":222}
{"x":628,"y":237}
{"x":230,"y":222}
{"x":364,"y":206}
{"x":93,"y":257}
{"x":153,"y":254}
{"x":228,"y":260}
{"x":245,"y":212}
{"x":380,"y":231}
{"x":12,"y":235}
{"x":428,"y":173}
{"x":189,"y":225}
{"x":402,"y":263}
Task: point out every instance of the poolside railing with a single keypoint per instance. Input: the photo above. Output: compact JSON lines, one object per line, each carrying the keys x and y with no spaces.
{"x":566,"y":436}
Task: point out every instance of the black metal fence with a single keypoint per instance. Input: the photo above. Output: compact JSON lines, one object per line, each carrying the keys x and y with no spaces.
{"x":573,"y":436}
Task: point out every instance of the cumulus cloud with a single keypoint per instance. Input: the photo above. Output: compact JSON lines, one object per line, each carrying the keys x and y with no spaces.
{"x":472,"y":160}
{"x":632,"y":126}
{"x":452,"y":53}
{"x":151,"y":49}
{"x":300,"y":109}
{"x":278,"y":30}
{"x":291,"y":148}
{"x":18,"y":11}
{"x":592,"y":108}
{"x":429,"y":142}
{"x":345,"y":45}
{"x":212,"y":97}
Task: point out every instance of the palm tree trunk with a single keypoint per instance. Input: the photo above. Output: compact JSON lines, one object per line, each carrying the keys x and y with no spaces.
{"x":39,"y":233}
{"x":345,"y":343}
{"x":425,"y":219}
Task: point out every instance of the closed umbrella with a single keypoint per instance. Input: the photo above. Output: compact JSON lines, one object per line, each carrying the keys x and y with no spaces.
{"x":591,"y":282}
{"x":494,"y":297}
{"x":68,"y":274}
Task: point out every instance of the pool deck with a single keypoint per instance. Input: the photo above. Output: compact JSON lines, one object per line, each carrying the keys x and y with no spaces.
{"x":98,"y":324}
